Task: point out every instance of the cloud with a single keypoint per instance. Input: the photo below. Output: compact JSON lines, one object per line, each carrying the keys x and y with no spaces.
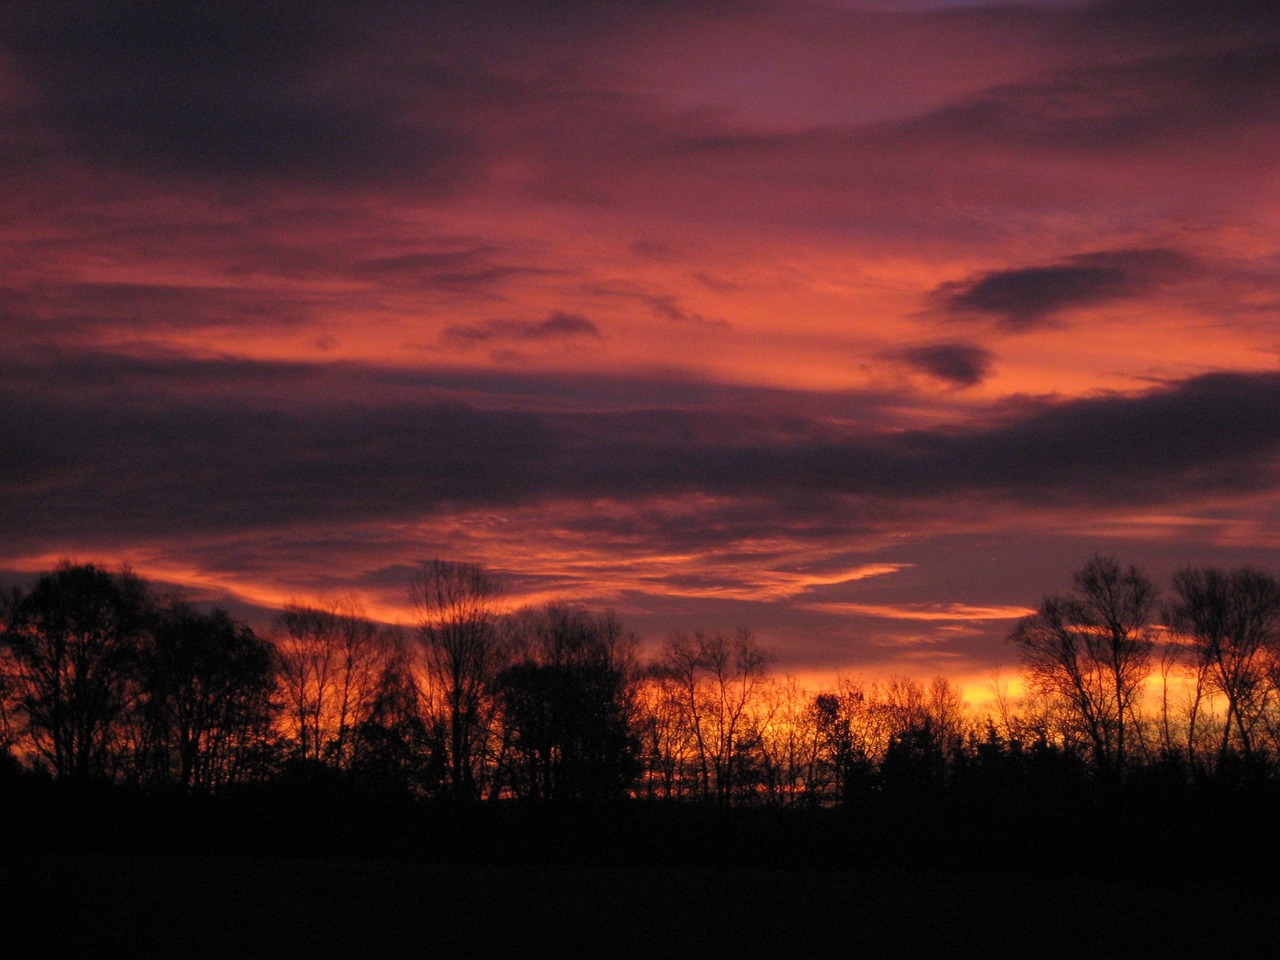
{"x":65,"y":374}
{"x":962,"y":364}
{"x":226,"y":92}
{"x":537,"y":106}
{"x":61,"y":312}
{"x":1095,"y":133}
{"x":925,"y":611}
{"x":181,"y":457}
{"x":558,"y":326}
{"x":664,"y":306}
{"x":1196,"y":23}
{"x":1027,"y":297}
{"x":476,"y":270}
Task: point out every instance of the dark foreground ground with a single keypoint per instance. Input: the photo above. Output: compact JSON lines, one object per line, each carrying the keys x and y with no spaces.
{"x":115,"y":905}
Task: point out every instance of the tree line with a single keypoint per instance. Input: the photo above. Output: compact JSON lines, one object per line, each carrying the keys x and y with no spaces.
{"x":102,"y":679}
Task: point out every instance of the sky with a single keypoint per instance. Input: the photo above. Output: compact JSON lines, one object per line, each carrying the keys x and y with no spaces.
{"x":860,"y":325}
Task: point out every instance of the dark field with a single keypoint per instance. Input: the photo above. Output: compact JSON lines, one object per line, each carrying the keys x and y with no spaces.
{"x":112,"y":905}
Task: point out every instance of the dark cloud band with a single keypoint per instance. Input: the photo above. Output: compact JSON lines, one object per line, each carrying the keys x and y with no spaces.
{"x":149,"y":464}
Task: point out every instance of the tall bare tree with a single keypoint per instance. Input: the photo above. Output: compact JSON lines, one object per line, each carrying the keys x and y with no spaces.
{"x":667,"y":748}
{"x":331,"y":657}
{"x":1091,"y":650}
{"x":462,"y":651}
{"x":791,"y":746}
{"x":1233,"y":620}
{"x":717,"y":678}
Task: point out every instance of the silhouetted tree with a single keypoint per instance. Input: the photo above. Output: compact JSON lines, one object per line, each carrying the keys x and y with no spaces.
{"x":1091,"y":651}
{"x":462,"y":651}
{"x":667,"y":750}
{"x":853,"y":735}
{"x":1176,"y":746}
{"x":206,"y":698}
{"x":914,"y":769}
{"x":331,"y":656}
{"x":791,"y":747}
{"x":1233,"y":620}
{"x":393,"y":752}
{"x":71,"y":649}
{"x":569,"y":702}
{"x":8,"y":687}
{"x":835,"y":739}
{"x":717,"y":678}
{"x":911,"y":707}
{"x":874,"y":736}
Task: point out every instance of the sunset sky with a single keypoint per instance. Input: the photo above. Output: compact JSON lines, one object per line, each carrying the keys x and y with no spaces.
{"x":860,"y":325}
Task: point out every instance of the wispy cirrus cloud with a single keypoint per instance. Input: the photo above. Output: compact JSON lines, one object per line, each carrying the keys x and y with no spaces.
{"x":925,"y":612}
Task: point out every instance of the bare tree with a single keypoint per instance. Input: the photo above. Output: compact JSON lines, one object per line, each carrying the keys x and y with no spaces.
{"x":462,"y":650}
{"x":717,"y":678}
{"x":1091,"y":651}
{"x":1185,"y":690}
{"x":8,"y":683}
{"x":791,"y":745}
{"x":667,"y":749}
{"x":1233,"y":619}
{"x":331,"y":657}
